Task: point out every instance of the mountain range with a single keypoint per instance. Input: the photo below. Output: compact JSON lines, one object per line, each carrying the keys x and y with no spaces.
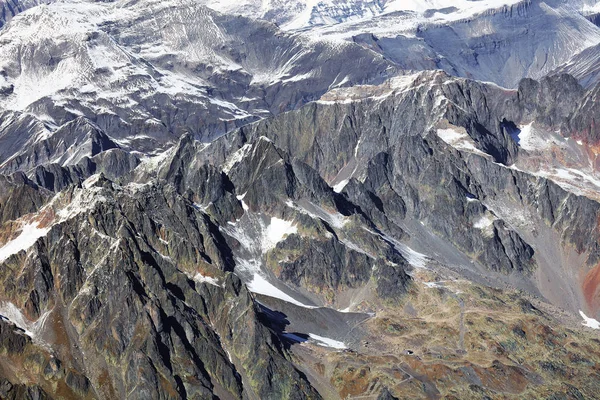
{"x":299,"y":199}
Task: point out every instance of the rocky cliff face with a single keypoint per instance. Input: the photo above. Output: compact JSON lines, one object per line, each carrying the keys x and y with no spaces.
{"x":467,"y":164}
{"x":147,"y":314}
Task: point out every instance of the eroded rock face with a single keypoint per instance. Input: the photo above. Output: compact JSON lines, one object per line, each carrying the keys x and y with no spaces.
{"x":438,"y":150}
{"x":402,"y":174}
{"x":20,"y":196}
{"x":113,"y":283}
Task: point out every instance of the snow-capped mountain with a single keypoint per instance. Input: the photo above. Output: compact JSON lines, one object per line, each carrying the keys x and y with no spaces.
{"x":300,"y":15}
{"x":145,"y":73}
{"x":299,"y":199}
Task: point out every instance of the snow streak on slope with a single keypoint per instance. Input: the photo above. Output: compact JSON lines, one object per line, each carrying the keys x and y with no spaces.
{"x":32,"y":329}
{"x":256,"y":238}
{"x":327,"y":342}
{"x":459,"y":139}
{"x":261,"y":285}
{"x":589,"y":322}
{"x":30,"y":233}
{"x":64,"y":206}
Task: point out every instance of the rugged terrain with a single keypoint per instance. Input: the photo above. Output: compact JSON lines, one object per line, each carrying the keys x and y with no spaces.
{"x":297,"y":200}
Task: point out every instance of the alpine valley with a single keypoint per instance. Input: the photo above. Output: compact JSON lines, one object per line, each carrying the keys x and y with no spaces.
{"x":300,"y":199}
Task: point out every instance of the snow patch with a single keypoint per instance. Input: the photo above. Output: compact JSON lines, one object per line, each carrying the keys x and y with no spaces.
{"x":277,"y":230}
{"x":241,"y":199}
{"x":30,"y":233}
{"x":460,"y":140}
{"x":572,"y":180}
{"x":206,"y":279}
{"x":589,"y":322}
{"x":261,"y":285}
{"x":12,"y":313}
{"x":572,"y":175}
{"x":256,"y":239}
{"x":244,"y":205}
{"x":229,"y":356}
{"x":327,"y":342}
{"x":340,"y":186}
{"x":532,"y":139}
{"x":414,"y":258}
